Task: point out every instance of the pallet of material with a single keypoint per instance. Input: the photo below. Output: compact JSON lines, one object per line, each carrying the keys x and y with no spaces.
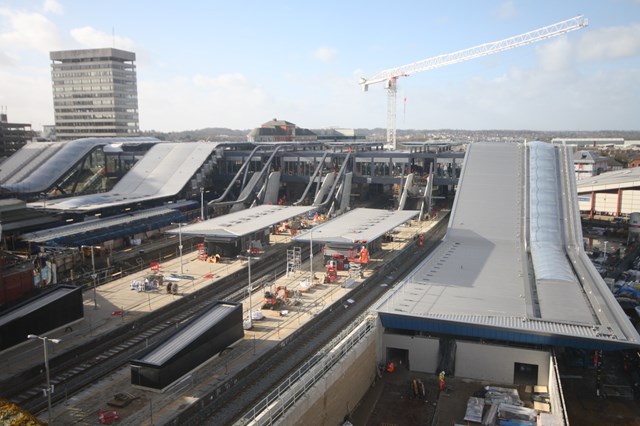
{"x":474,"y":409}
{"x":542,"y":407}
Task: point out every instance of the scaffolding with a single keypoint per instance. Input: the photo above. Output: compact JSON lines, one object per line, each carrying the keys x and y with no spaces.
{"x":294,"y":260}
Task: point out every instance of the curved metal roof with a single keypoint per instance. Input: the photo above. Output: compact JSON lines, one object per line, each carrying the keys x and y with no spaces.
{"x":62,"y":160}
{"x":163,"y":172}
{"x":478,"y":282}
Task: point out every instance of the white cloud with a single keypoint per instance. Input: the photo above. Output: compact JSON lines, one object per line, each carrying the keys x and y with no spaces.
{"x":325,"y":54}
{"x":555,"y":55}
{"x":91,"y":38}
{"x":507,"y":10}
{"x":27,"y":95}
{"x":52,"y":6}
{"x":28,"y":31}
{"x":199,"y":101}
{"x":531,"y":99}
{"x":610,"y":43}
{"x":6,"y":59}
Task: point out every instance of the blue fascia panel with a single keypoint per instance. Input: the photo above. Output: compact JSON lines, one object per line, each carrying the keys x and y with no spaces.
{"x":495,"y":333}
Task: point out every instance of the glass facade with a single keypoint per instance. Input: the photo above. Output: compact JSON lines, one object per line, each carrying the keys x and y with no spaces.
{"x":95,"y":93}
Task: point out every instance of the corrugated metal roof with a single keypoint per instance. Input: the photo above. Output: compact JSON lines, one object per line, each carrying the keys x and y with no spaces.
{"x":510,"y":330}
{"x":625,"y":178}
{"x":244,"y":222}
{"x":179,"y":341}
{"x":480,"y":273}
{"x":357,"y":225}
{"x":73,"y":229}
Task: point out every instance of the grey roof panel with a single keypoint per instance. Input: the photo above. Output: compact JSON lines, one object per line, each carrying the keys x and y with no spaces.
{"x":480,"y":273}
{"x":244,"y":222}
{"x":360,"y":224}
{"x":625,"y":178}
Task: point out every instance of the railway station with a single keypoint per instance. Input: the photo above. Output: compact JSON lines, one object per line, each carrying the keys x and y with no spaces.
{"x":119,"y":307}
{"x":254,"y":223}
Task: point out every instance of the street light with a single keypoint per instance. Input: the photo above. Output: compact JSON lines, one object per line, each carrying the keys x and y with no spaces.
{"x":248,"y":259}
{"x":180,"y":242}
{"x":605,"y":252}
{"x":201,"y":203}
{"x":93,"y":276}
{"x":311,"y":256}
{"x":48,"y":390}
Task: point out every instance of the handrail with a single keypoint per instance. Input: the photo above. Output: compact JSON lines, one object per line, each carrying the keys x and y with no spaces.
{"x":262,"y":172}
{"x":312,"y":179}
{"x":226,"y":192}
{"x":294,"y":387}
{"x":341,"y":174}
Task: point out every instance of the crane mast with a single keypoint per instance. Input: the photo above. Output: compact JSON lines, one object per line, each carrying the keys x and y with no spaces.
{"x":390,"y":76}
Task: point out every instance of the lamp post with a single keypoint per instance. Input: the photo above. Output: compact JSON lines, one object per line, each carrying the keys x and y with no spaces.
{"x":46,"y":368}
{"x":180,"y":242}
{"x":248,"y":258}
{"x":201,"y":203}
{"x":311,"y":257}
{"x":605,"y":252}
{"x":94,"y":276}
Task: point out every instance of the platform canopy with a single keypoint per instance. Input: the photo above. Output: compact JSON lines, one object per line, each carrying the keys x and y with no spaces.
{"x":360,"y":224}
{"x":96,"y":231}
{"x":244,"y":222}
{"x":164,"y":171}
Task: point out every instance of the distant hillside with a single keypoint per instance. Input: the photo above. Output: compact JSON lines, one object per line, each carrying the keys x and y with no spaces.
{"x":208,"y":134}
{"x":224,"y":134}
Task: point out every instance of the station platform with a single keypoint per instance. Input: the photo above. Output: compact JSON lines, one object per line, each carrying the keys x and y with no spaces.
{"x":116,"y":304}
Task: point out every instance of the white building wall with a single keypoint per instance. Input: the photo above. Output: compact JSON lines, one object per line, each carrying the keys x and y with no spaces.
{"x":606,"y":203}
{"x":630,"y":202}
{"x":423,"y":351}
{"x":496,"y":363}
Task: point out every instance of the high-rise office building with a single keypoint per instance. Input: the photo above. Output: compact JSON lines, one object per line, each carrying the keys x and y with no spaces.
{"x":95,"y":93}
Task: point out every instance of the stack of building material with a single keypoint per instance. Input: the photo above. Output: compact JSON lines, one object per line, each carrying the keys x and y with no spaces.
{"x":516,"y":415}
{"x":474,"y":410}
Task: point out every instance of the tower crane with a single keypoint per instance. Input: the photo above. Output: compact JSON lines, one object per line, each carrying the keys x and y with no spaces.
{"x":390,"y":77}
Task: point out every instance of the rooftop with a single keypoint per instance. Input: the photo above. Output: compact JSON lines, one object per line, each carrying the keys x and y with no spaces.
{"x":481,"y":276}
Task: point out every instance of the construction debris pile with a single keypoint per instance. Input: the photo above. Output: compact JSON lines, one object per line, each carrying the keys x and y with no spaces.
{"x":502,"y":406}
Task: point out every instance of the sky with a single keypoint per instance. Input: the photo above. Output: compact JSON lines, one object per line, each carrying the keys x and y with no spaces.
{"x":239,"y":64}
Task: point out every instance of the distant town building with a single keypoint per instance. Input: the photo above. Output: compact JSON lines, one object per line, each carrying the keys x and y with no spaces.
{"x":588,"y":164}
{"x":95,"y":93}
{"x":48,"y":132}
{"x":586,"y":142}
{"x":635,"y":162}
{"x":280,"y":131}
{"x":338,"y":135}
{"x":613,"y":165}
{"x":13,"y":136}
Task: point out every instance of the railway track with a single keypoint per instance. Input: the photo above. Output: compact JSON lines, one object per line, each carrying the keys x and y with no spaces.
{"x":75,"y":369}
{"x":228,"y":402}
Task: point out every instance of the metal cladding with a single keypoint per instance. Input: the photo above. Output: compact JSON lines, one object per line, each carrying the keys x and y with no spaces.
{"x":54,"y":309}
{"x":194,"y":343}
